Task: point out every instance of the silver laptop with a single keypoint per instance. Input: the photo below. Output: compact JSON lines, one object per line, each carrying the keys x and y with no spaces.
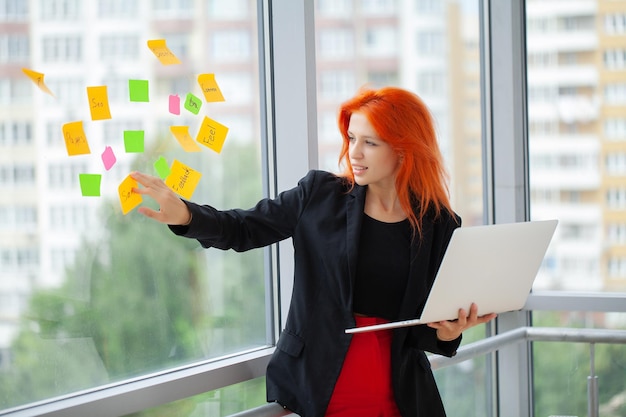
{"x":493,"y":266}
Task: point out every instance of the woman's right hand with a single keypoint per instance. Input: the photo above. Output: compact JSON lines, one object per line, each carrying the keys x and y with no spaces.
{"x":172,"y":210}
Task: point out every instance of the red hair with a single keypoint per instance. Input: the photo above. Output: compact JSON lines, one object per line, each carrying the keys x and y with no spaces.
{"x":401,"y":119}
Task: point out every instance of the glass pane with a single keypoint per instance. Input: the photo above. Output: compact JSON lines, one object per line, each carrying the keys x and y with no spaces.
{"x":223,"y":402}
{"x":90,"y":295}
{"x":561,"y":370}
{"x":464,"y":387}
{"x":576,"y":96}
{"x":428,"y":47}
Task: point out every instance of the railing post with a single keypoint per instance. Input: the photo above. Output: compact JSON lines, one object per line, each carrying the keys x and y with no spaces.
{"x":593,"y":406}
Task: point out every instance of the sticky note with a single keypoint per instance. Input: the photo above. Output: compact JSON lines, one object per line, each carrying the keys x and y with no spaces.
{"x":75,"y":139}
{"x":37,"y":78}
{"x":182,"y":179}
{"x":174,"y":104}
{"x":98,"y":102}
{"x":90,"y":184}
{"x":193,"y":103}
{"x":209,"y":87}
{"x":162,"y":52}
{"x":133,"y":141}
{"x":128,"y":199}
{"x":108,"y":158}
{"x":181,"y":133}
{"x":162,"y":168}
{"x":138,"y":90}
{"x":212,"y":134}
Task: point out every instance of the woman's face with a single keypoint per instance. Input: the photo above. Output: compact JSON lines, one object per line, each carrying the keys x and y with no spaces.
{"x":372,"y":159}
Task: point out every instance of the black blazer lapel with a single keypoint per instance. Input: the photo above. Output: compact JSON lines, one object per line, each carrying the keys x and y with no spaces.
{"x":354,"y":213}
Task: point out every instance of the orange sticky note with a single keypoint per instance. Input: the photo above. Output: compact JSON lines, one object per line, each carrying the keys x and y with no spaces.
{"x":181,"y":133}
{"x":128,"y":199}
{"x":98,"y":102}
{"x":182,"y":179}
{"x":209,"y":87}
{"x":37,"y":78}
{"x":75,"y":139}
{"x":212,"y":134}
{"x":162,"y":52}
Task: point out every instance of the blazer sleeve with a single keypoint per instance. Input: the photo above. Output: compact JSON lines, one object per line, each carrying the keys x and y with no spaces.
{"x":269,"y":221}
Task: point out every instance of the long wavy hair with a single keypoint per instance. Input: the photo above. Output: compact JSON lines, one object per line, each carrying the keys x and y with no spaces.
{"x":401,"y":119}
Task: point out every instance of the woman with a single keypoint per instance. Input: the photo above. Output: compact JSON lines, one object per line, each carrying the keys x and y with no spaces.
{"x":367,"y":246}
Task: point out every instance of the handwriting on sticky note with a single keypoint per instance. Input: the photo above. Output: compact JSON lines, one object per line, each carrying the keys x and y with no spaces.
{"x":162,"y":168}
{"x":212,"y":134}
{"x":138,"y":90}
{"x":108,"y":158}
{"x":183,"y":179}
{"x":90,"y":184}
{"x":98,"y":102}
{"x":209,"y":87}
{"x":193,"y":103}
{"x":134,"y":141}
{"x":181,"y":133}
{"x":75,"y":139}
{"x":37,"y":78}
{"x":161,"y":51}
{"x":174,"y":104}
{"x":128,"y":199}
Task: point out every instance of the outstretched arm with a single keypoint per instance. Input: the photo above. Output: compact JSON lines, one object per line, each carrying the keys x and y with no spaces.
{"x":172,"y":210}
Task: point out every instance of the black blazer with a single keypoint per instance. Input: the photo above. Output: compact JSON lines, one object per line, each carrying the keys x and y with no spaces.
{"x":323,"y":218}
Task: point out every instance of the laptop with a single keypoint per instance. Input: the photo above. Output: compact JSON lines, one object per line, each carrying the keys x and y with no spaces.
{"x":493,"y":266}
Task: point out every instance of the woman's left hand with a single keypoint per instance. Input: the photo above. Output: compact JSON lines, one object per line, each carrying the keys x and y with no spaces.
{"x":448,"y":330}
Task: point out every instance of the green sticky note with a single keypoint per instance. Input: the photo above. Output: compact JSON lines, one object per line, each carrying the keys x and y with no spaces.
{"x":138,"y":90}
{"x":90,"y":184}
{"x":162,"y":167}
{"x":193,"y":103}
{"x":133,"y":141}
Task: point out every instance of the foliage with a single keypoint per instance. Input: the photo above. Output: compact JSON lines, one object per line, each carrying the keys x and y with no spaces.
{"x":139,"y":299}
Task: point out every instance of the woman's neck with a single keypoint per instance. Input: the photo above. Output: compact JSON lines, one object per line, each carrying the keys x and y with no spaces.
{"x":383,"y":205}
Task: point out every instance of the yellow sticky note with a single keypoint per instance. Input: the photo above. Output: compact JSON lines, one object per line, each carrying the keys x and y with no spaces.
{"x":209,"y":87}
{"x":181,"y":133}
{"x":128,"y":199}
{"x":182,"y":179}
{"x":37,"y":78}
{"x":162,"y":52}
{"x":98,"y":102}
{"x":212,"y":134}
{"x":75,"y":139}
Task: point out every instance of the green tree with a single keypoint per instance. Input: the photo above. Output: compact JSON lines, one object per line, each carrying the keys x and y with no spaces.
{"x":138,"y":300}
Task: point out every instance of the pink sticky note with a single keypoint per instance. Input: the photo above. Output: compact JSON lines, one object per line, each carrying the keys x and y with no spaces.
{"x":108,"y":158}
{"x":174,"y":104}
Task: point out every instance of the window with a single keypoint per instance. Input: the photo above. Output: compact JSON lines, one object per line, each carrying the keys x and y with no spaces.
{"x":231,"y":45}
{"x":614,"y":59}
{"x":615,"y":93}
{"x":59,"y":10}
{"x":338,"y":43}
{"x":118,"y":9}
{"x":102,"y":296}
{"x":615,"y":23}
{"x":14,"y":48}
{"x":120,"y":47}
{"x":380,"y":41}
{"x":62,"y":49}
{"x":13,"y":10}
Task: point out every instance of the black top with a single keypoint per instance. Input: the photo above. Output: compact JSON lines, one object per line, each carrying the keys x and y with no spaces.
{"x":382,"y":268}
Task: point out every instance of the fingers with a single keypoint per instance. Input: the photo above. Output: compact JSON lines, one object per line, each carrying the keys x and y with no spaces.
{"x":464,"y":321}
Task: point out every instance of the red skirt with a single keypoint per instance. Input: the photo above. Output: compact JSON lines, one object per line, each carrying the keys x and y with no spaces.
{"x":364,"y":387}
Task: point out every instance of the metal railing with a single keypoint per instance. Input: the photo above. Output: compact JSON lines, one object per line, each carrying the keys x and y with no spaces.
{"x":492,"y":344}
